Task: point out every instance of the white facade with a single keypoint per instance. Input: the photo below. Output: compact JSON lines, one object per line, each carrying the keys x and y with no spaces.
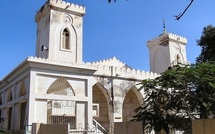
{"x":165,"y":50}
{"x":56,"y":86}
{"x":53,"y":20}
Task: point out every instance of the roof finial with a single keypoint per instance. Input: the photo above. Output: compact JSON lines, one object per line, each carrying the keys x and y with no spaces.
{"x":164,"y":26}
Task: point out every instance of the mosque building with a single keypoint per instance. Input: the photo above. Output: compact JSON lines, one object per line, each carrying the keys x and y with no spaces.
{"x":57,"y":86}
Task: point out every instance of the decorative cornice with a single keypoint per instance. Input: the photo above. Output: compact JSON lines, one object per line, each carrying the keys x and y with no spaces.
{"x":124,"y":72}
{"x":169,"y":36}
{"x":60,"y":5}
{"x":108,"y":61}
{"x":68,"y":6}
{"x":102,"y":69}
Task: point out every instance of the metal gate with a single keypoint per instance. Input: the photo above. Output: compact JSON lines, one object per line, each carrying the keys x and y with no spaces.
{"x":61,"y":112}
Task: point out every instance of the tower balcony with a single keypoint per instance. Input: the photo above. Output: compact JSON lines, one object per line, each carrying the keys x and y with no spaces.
{"x":180,"y":62}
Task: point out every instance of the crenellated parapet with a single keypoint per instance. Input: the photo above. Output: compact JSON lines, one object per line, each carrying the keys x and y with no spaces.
{"x":111,"y":62}
{"x":180,"y":39}
{"x":68,"y":6}
{"x":118,"y":69}
{"x":102,"y":70}
{"x":60,"y":5}
{"x":155,"y":41}
{"x":59,"y":63}
{"x":166,"y":37}
{"x":123,"y":72}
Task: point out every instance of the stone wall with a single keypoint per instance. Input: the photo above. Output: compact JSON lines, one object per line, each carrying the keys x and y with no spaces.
{"x":38,"y":128}
{"x":128,"y":128}
{"x":203,"y":126}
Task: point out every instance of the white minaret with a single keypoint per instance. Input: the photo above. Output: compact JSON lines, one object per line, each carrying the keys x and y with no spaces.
{"x":59,"y":31}
{"x":166,"y":50}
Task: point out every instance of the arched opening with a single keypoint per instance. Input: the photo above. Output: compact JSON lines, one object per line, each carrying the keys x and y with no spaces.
{"x":61,"y":87}
{"x":22,"y":88}
{"x":100,"y":100}
{"x":22,"y":106}
{"x":22,"y":123}
{"x":65,"y":39}
{"x":9,"y":118}
{"x":61,"y":111}
{"x":9,"y":95}
{"x":0,"y":99}
{"x":130,"y":103}
{"x":178,"y":58}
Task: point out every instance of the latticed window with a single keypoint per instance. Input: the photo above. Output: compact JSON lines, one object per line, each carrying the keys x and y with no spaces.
{"x":65,"y":39}
{"x":61,"y":111}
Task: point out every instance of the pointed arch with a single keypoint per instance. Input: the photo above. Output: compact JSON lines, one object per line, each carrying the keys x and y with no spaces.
{"x":102,"y":98}
{"x":61,"y":87}
{"x":66,"y":39}
{"x":0,"y":99}
{"x":9,"y":95}
{"x":61,"y":111}
{"x":178,"y":58}
{"x":132,"y":100}
{"x":103,"y":90}
{"x":22,"y":90}
{"x":69,"y":49}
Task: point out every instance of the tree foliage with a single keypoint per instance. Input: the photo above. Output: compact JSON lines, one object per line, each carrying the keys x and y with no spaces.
{"x":177,"y":96}
{"x":207,"y":44}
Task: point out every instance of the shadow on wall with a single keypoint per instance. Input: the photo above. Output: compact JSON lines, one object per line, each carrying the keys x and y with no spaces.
{"x":128,"y":128}
{"x":38,"y":128}
{"x":203,"y":126}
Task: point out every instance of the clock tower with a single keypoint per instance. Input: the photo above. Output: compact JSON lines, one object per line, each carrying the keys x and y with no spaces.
{"x":59,"y":31}
{"x":166,"y":50}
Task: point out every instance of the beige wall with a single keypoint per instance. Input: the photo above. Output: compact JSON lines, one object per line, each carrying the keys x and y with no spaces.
{"x":130,"y":103}
{"x":203,"y":126}
{"x":99,"y":98}
{"x":50,"y":128}
{"x":128,"y":128}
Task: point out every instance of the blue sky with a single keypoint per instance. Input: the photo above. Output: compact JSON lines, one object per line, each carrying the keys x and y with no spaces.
{"x":118,"y":29}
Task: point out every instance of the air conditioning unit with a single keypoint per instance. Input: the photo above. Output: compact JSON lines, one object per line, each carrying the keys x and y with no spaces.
{"x":95,"y":110}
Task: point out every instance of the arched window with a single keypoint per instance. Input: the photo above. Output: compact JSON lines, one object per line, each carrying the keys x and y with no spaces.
{"x":23,"y":115}
{"x":61,"y":111}
{"x":65,"y":39}
{"x":22,"y":88}
{"x":178,"y":57}
{"x":61,"y":87}
{"x":9,"y":95}
{"x":0,"y":100}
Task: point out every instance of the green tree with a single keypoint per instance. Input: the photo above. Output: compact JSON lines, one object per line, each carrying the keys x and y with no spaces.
{"x":177,"y":96}
{"x":207,"y":44}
